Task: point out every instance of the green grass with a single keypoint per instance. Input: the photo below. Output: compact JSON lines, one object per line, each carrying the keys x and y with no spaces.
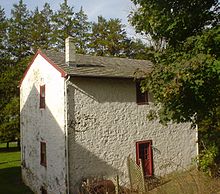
{"x":10,"y":171}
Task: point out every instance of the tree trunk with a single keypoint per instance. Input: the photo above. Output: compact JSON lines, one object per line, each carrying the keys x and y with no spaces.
{"x":7,"y":145}
{"x":18,"y":144}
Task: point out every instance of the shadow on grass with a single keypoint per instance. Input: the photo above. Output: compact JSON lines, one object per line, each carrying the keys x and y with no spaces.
{"x":11,"y":183}
{"x":10,"y":149}
{"x":9,"y":161}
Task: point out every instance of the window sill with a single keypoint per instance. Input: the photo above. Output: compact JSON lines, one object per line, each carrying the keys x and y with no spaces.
{"x":44,"y":165}
{"x":142,"y":103}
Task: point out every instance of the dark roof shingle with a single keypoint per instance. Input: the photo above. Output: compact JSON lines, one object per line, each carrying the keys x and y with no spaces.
{"x":97,"y":66}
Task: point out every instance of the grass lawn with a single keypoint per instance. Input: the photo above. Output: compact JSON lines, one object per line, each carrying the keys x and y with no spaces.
{"x":10,"y":171}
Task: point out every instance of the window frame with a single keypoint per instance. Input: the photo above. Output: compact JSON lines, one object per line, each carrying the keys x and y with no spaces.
{"x":142,"y":98}
{"x":43,"y":154}
{"x":42,"y":96}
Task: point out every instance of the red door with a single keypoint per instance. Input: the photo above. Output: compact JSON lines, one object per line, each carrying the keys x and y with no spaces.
{"x":144,"y":153}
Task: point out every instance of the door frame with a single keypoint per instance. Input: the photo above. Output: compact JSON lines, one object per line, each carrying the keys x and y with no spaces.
{"x":150,"y":154}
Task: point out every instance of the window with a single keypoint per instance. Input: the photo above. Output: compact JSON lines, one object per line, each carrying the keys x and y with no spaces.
{"x":144,"y":156}
{"x":43,"y":190}
{"x":42,"y":96}
{"x":142,"y":97}
{"x":43,"y":158}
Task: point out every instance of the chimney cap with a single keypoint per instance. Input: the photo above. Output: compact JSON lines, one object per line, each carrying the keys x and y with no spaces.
{"x":69,"y":38}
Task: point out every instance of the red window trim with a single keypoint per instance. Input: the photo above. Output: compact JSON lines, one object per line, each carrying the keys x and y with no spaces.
{"x":43,"y":154}
{"x":42,"y":96}
{"x":150,"y":153}
{"x":141,"y":98}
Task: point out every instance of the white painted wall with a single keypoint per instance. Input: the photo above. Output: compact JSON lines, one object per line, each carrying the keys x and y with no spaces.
{"x":104,"y":124}
{"x":43,"y":125}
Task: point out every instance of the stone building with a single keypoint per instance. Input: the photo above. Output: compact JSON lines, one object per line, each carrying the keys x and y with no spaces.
{"x":81,"y":116}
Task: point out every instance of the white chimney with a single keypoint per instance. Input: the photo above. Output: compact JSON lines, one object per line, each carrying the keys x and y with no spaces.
{"x":70,"y":51}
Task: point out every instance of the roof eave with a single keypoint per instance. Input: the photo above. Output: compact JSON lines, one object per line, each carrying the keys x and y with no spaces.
{"x":102,"y":76}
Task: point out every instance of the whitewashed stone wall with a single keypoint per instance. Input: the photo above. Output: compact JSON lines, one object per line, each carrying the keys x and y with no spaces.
{"x":45,"y":125}
{"x":104,"y":124}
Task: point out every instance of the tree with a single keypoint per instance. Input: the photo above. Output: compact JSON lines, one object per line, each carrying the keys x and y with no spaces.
{"x":63,"y":25}
{"x":19,"y":38}
{"x":9,"y":128}
{"x":108,"y":37}
{"x":174,"y":21}
{"x":41,"y":29}
{"x":47,"y":14}
{"x":9,"y":104}
{"x":186,"y":84}
{"x":18,"y":48}
{"x":3,"y":40}
{"x":81,"y":31}
{"x":136,"y":49}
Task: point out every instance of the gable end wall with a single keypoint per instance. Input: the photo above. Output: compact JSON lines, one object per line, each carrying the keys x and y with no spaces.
{"x":43,"y":125}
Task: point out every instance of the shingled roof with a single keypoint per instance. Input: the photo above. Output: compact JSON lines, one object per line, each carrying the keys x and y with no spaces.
{"x":97,"y":66}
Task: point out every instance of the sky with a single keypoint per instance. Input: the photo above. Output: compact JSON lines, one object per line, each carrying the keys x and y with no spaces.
{"x":93,"y":8}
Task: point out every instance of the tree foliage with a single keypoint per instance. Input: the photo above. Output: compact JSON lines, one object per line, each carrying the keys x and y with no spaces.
{"x":9,"y":129}
{"x":174,"y":21}
{"x":40,"y":30}
{"x":108,"y":37}
{"x":18,"y":32}
{"x":82,"y":32}
{"x":63,"y":24}
{"x":3,"y":38}
{"x":136,"y":49}
{"x":186,"y":83}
